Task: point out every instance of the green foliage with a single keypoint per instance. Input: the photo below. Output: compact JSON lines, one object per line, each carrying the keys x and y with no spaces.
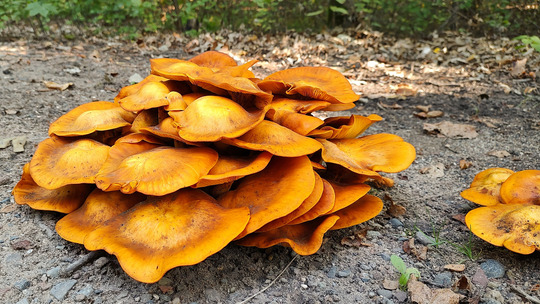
{"x":532,"y":41}
{"x":394,"y":17}
{"x":405,"y":271}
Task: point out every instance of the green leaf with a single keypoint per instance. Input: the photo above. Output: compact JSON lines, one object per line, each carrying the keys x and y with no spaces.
{"x":398,"y":264}
{"x":412,"y":271}
{"x":340,"y":10}
{"x":315,"y":13}
{"x":341,"y":1}
{"x":37,"y":8}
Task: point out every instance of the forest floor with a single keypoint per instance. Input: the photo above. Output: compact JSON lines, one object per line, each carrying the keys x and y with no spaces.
{"x":485,"y":85}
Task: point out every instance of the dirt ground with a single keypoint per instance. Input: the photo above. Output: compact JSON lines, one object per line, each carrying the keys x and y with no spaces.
{"x":501,"y":104}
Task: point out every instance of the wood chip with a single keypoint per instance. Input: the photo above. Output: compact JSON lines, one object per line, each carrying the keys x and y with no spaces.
{"x":390,"y":284}
{"x":498,"y":153}
{"x":464,"y":164}
{"x":455,"y":267}
{"x":57,"y":86}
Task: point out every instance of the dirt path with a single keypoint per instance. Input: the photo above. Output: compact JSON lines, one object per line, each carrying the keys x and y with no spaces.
{"x":33,"y":256}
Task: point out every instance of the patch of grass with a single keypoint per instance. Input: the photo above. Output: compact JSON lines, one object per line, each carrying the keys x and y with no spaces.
{"x":435,"y":236}
{"x":405,"y":271}
{"x":467,"y":248}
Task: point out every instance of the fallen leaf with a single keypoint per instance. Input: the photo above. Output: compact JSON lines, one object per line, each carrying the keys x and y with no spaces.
{"x":445,"y":296}
{"x":518,"y":68}
{"x":423,"y":108}
{"x":422,"y":294}
{"x":394,"y":106}
{"x":405,"y":89}
{"x":22,"y":245}
{"x":390,"y":284}
{"x":451,"y":130}
{"x":56,"y":86}
{"x":9,"y":208}
{"x":464,"y":164}
{"x":166,"y":289}
{"x":430,"y":114}
{"x":394,"y":210}
{"x":407,"y":246}
{"x":356,"y":240}
{"x":498,"y":153}
{"x":455,"y":267}
{"x":528,"y":90}
{"x":460,"y":218}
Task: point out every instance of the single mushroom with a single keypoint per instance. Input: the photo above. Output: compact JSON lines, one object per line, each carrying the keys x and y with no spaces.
{"x":153,"y":170}
{"x":98,"y":208}
{"x":91,"y":117}
{"x":522,"y":187}
{"x":319,"y":83}
{"x":213,"y":59}
{"x":292,"y":180}
{"x":276,"y":139}
{"x":64,"y":199}
{"x":486,"y":186}
{"x":304,"y":239}
{"x":62,"y":161}
{"x":179,"y":229}
{"x":132,"y":89}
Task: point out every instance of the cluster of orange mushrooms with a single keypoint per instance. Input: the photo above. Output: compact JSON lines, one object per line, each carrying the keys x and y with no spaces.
{"x":511,"y":216}
{"x":201,"y":153}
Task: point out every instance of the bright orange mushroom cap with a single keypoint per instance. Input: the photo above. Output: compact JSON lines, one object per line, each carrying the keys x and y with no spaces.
{"x":213,"y":59}
{"x":64,"y":199}
{"x":320,"y":83}
{"x":273,"y":192}
{"x":514,"y":226}
{"x":91,"y":117}
{"x":182,"y":228}
{"x":153,"y":170}
{"x":486,"y":186}
{"x":368,"y":154}
{"x":98,"y":208}
{"x":61,"y":161}
{"x":344,"y":127}
{"x":522,"y":187}
{"x":364,"y":209}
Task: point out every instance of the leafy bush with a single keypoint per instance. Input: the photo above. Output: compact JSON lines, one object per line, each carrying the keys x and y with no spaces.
{"x":395,"y":17}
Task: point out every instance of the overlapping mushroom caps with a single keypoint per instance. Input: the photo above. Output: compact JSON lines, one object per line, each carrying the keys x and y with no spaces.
{"x":511,"y":213}
{"x":200,"y":154}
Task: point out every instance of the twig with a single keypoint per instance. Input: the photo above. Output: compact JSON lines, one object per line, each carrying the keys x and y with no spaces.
{"x":80,"y":262}
{"x":271,"y":283}
{"x":525,"y":295}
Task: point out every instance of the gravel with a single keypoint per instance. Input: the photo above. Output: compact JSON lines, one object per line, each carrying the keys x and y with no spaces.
{"x":60,"y":290}
{"x":493,"y":269}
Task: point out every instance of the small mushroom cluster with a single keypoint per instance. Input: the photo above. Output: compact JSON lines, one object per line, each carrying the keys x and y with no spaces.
{"x":201,"y":153}
{"x":511,"y":216}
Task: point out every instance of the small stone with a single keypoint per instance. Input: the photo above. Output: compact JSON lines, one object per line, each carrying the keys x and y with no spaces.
{"x":73,"y":71}
{"x":135,"y":78}
{"x":395,"y":223}
{"x":390,"y":284}
{"x":176,"y":301}
{"x":87,"y":291}
{"x":384,"y":293}
{"x":13,"y":259}
{"x":443,"y":279}
{"x":494,"y":296}
{"x":343,"y":273}
{"x":102,"y":261}
{"x":163,"y":48}
{"x":54,"y":272}
{"x":493,"y":269}
{"x":371,"y":294}
{"x":385,"y":257}
{"x":60,"y":290}
{"x":304,"y":286}
{"x":23,"y":301}
{"x":332,"y":272}
{"x":424,"y":239}
{"x":372,"y":234}
{"x":80,"y":298}
{"x":212,"y":295}
{"x":400,"y":295}
{"x":22,"y":284}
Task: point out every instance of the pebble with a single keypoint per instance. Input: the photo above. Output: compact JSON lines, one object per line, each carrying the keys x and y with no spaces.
{"x":332,"y":272}
{"x":86,"y":291}
{"x":54,"y":272}
{"x":135,"y":78}
{"x":372,"y":234}
{"x":443,"y":279}
{"x":493,"y":269}
{"x":371,"y":294}
{"x":60,"y":290}
{"x":163,"y":48}
{"x":343,"y":273}
{"x":395,"y":223}
{"x":493,"y":296}
{"x":384,"y":293}
{"x":212,"y":295}
{"x":385,"y":257}
{"x":424,"y":239}
{"x":23,"y":301}
{"x":400,"y":295}
{"x":102,"y":261}
{"x":13,"y":259}
{"x":22,"y":284}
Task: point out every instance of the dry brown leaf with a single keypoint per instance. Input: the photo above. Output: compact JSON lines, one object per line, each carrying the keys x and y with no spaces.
{"x":356,"y":240}
{"x":460,"y":218}
{"x":390,"y":284}
{"x":451,"y":130}
{"x":405,"y":89}
{"x":422,"y":294}
{"x":22,"y":245}
{"x":462,"y":284}
{"x":423,"y":108}
{"x":465,"y":164}
{"x":394,"y":210}
{"x":392,"y":106}
{"x":498,"y":153}
{"x":9,"y":208}
{"x":56,"y":86}
{"x":430,"y":114}
{"x":455,"y":267}
{"x":518,"y":68}
{"x":529,"y":90}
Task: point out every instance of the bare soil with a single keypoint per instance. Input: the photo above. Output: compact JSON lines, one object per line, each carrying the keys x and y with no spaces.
{"x":504,"y":110}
